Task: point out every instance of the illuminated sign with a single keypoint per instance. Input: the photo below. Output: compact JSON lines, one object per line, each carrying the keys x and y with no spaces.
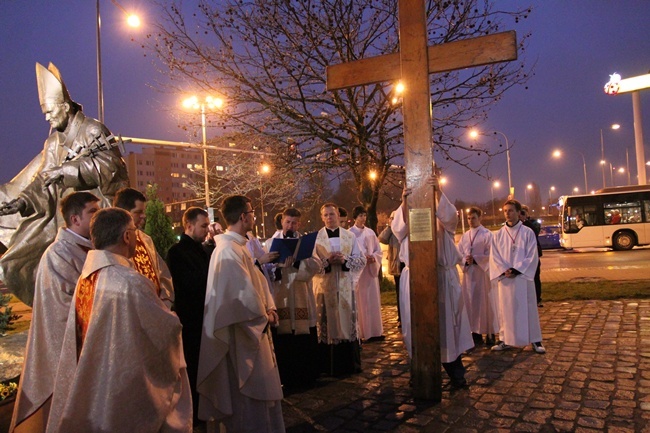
{"x":616,"y":85}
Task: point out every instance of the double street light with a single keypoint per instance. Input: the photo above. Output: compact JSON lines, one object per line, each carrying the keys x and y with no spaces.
{"x":208,"y":103}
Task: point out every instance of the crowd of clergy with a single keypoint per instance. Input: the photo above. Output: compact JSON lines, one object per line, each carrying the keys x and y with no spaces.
{"x":122,"y":340}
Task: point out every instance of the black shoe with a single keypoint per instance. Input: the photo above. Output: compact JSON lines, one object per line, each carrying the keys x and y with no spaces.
{"x":478,"y":338}
{"x":459,"y":384}
{"x":539,"y":304}
{"x":490,"y":340}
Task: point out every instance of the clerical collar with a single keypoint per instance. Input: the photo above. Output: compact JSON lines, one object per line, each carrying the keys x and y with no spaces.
{"x":511,"y":226}
{"x":332,"y":233}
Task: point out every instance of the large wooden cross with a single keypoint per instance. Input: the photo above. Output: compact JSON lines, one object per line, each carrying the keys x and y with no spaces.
{"x":412,"y":65}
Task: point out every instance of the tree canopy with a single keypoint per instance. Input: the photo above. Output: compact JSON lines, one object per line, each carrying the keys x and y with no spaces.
{"x":267,"y":58}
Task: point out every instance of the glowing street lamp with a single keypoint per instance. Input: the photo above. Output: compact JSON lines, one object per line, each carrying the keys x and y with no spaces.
{"x":615,"y":127}
{"x":372,"y":175}
{"x":209,"y":103}
{"x":558,"y":154}
{"x":264,"y":169}
{"x":550,"y":199}
{"x":511,"y":192}
{"x":495,"y":184}
{"x":529,"y":187}
{"x":397,"y":92}
{"x":133,"y":21}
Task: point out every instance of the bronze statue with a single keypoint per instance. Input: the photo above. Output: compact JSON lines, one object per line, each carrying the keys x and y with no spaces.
{"x":80,"y":154}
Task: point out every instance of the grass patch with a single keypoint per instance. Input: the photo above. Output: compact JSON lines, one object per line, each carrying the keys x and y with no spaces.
{"x":596,"y":290}
{"x":564,"y":291}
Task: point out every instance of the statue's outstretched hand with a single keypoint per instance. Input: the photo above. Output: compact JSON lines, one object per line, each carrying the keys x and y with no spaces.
{"x":14,"y":206}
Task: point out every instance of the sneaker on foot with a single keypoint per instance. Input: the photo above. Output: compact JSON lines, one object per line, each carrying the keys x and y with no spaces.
{"x":537,"y":347}
{"x":500,"y":346}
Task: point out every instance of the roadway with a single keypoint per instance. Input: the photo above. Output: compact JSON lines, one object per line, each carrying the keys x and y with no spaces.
{"x":590,"y":264}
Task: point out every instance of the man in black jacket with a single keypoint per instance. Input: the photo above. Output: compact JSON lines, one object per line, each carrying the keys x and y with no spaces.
{"x":188,"y":263}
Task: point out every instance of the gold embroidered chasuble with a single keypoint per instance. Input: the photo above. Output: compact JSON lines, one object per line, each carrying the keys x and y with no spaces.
{"x":144,"y":263}
{"x":122,"y":367}
{"x":335,"y":289}
{"x":84,"y":306}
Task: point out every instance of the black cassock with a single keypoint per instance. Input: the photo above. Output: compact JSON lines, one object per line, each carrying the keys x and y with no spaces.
{"x":188,"y":263}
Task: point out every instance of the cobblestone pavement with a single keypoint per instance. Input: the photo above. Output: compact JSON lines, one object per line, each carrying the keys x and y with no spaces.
{"x":595,"y":377}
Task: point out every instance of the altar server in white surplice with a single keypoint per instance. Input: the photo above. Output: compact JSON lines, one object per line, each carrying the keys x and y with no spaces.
{"x":455,"y":334}
{"x":368,"y":297}
{"x":513,"y":263}
{"x":474,"y":248}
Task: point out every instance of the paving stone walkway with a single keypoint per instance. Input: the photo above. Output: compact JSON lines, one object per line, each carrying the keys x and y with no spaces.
{"x":595,"y":377}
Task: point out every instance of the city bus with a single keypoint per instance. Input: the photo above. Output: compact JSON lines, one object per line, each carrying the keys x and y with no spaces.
{"x":616,"y":217}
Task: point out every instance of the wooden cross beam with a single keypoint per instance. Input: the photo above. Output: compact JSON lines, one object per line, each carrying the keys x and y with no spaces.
{"x":412,"y":65}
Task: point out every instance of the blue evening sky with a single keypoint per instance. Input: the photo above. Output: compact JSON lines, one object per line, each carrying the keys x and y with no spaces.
{"x":576,"y":45}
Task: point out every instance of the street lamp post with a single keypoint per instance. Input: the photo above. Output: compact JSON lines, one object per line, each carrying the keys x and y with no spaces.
{"x":511,"y":192}
{"x":615,"y":126}
{"x":133,"y":21}
{"x":263,"y":170}
{"x":528,"y":187}
{"x":209,"y":103}
{"x":558,"y":154}
{"x":550,"y":199}
{"x":495,"y":184}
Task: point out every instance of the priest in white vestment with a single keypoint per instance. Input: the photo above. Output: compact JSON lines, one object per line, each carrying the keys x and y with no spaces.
{"x":56,"y":279}
{"x":455,"y":334}
{"x":334,"y":288}
{"x":368,"y":297}
{"x":513,"y":263}
{"x":295,"y":338}
{"x":480,"y":300}
{"x":238,"y":378}
{"x":146,"y":259}
{"x":122,"y":367}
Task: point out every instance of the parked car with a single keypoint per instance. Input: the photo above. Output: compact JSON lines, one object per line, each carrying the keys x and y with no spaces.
{"x":549,"y":237}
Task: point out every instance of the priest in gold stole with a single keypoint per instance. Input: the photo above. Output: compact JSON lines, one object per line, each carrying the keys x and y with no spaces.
{"x":146,"y":259}
{"x":334,"y":288}
{"x":122,"y":367}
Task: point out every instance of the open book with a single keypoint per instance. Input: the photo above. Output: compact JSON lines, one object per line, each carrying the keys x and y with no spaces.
{"x":300,"y":248}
